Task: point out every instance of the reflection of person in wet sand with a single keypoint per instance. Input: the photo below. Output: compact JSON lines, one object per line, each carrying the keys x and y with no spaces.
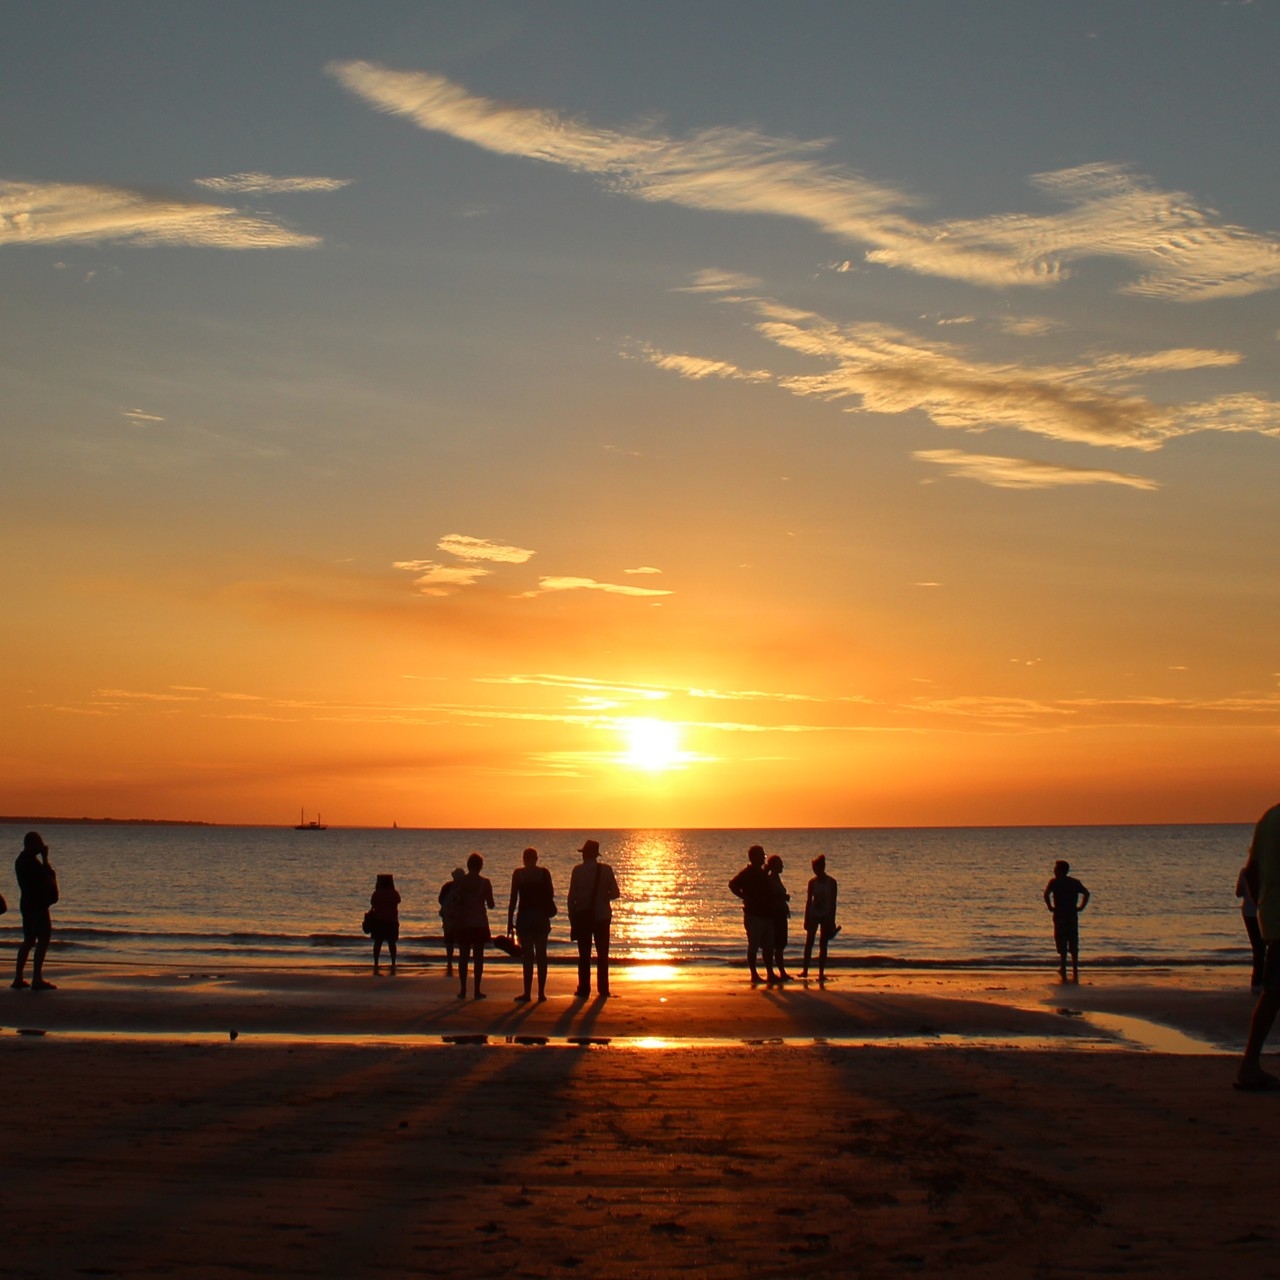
{"x":475,"y":894}
{"x":781,"y":913}
{"x":819,"y":916}
{"x":592,"y":890}
{"x":38,"y":890}
{"x":1263,"y":872}
{"x":384,"y":926}
{"x":449,"y":903}
{"x":751,"y":884}
{"x":533,"y":903}
{"x":1066,"y":897}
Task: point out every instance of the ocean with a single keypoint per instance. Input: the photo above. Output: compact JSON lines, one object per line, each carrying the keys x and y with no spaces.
{"x":203,"y":897}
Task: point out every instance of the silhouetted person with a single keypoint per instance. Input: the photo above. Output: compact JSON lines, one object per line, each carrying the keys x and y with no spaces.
{"x":751,"y":884}
{"x":1263,"y":871}
{"x":475,"y":894}
{"x":819,"y":916}
{"x":1066,"y":897}
{"x":38,"y":891}
{"x":592,"y":890}
{"x":1249,"y":914}
{"x":449,"y":903}
{"x":533,"y":903}
{"x":781,"y":914}
{"x":384,"y":926}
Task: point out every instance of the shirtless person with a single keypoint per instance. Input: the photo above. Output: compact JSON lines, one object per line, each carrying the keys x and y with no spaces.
{"x":1066,"y":897}
{"x":751,"y":884}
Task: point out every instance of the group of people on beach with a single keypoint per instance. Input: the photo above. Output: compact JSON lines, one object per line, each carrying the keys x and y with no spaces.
{"x":466,"y":899}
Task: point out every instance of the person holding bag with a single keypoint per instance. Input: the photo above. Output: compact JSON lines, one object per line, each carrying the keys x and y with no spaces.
{"x":592,"y":890}
{"x":533,"y":903}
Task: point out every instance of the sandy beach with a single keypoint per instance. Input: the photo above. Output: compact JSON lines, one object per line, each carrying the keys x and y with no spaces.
{"x":878,"y":1126}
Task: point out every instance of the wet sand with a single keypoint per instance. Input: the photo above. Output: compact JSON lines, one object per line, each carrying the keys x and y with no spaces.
{"x":191,"y":1154}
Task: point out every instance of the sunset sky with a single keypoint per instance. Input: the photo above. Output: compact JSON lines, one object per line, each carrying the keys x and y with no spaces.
{"x":640,"y":413}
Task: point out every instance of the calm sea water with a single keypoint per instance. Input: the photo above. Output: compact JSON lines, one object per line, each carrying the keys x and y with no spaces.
{"x":970,"y":897}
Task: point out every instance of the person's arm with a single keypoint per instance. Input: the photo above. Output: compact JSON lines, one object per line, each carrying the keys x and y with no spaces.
{"x":611,"y":889}
{"x":1084,"y":898}
{"x":735,"y":885}
{"x":488,"y":893}
{"x":1048,"y":894}
{"x":515,"y":898}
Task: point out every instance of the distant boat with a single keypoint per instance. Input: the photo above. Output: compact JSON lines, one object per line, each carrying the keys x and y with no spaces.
{"x":304,"y":825}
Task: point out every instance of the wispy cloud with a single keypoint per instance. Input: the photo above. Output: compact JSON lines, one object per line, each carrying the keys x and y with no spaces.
{"x":55,"y":213}
{"x":1022,"y":473}
{"x":549,"y":584}
{"x":139,"y":417}
{"x":882,"y":369}
{"x":1028,"y":326}
{"x":435,"y":579}
{"x":466,"y":547}
{"x":644,"y":568}
{"x":696,"y":368}
{"x":713,"y":281}
{"x":1179,"y":250}
{"x":266,"y":184}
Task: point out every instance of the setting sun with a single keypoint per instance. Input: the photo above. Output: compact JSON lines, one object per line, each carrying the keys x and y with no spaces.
{"x":652,"y":744}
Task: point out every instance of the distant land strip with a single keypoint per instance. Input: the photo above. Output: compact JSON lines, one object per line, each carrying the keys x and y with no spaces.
{"x":95,"y":822}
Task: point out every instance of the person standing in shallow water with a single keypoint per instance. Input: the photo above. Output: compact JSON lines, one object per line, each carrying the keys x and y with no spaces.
{"x":819,"y":916}
{"x":533,"y":903}
{"x":384,"y":904}
{"x":475,"y":894}
{"x":38,"y":891}
{"x":1066,"y":897}
{"x":592,"y":890}
{"x":751,"y":884}
{"x":781,"y":914}
{"x":449,"y":903}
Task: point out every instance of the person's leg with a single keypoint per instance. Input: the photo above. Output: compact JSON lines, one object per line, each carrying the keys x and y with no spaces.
{"x":808,"y":949}
{"x":766,"y":948}
{"x":464,"y":954}
{"x":823,"y":939}
{"x":601,"y":932}
{"x":448,"y":955}
{"x":584,"y":964}
{"x":391,"y":951}
{"x":37,"y":963}
{"x":1251,"y":1073}
{"x":541,"y":957}
{"x":1259,"y":949}
{"x":377,"y":951}
{"x":478,"y":970}
{"x":24,"y":950}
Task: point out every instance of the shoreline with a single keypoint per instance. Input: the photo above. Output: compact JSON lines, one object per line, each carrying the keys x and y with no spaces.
{"x":1157,"y":1010}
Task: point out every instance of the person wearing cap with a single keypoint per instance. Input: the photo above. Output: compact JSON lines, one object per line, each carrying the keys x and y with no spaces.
{"x":38,"y":890}
{"x":592,"y":890}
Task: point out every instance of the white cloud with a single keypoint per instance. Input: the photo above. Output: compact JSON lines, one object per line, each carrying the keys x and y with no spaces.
{"x":697,"y":368}
{"x":1179,"y":250}
{"x":881,"y":369}
{"x":467,"y":548}
{"x":57,"y":213}
{"x":1022,"y":473}
{"x":138,"y":417}
{"x":644,"y":568}
{"x":590,"y":584}
{"x":265,"y":184}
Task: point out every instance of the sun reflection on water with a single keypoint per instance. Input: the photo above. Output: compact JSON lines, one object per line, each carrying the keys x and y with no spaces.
{"x":656,"y":922}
